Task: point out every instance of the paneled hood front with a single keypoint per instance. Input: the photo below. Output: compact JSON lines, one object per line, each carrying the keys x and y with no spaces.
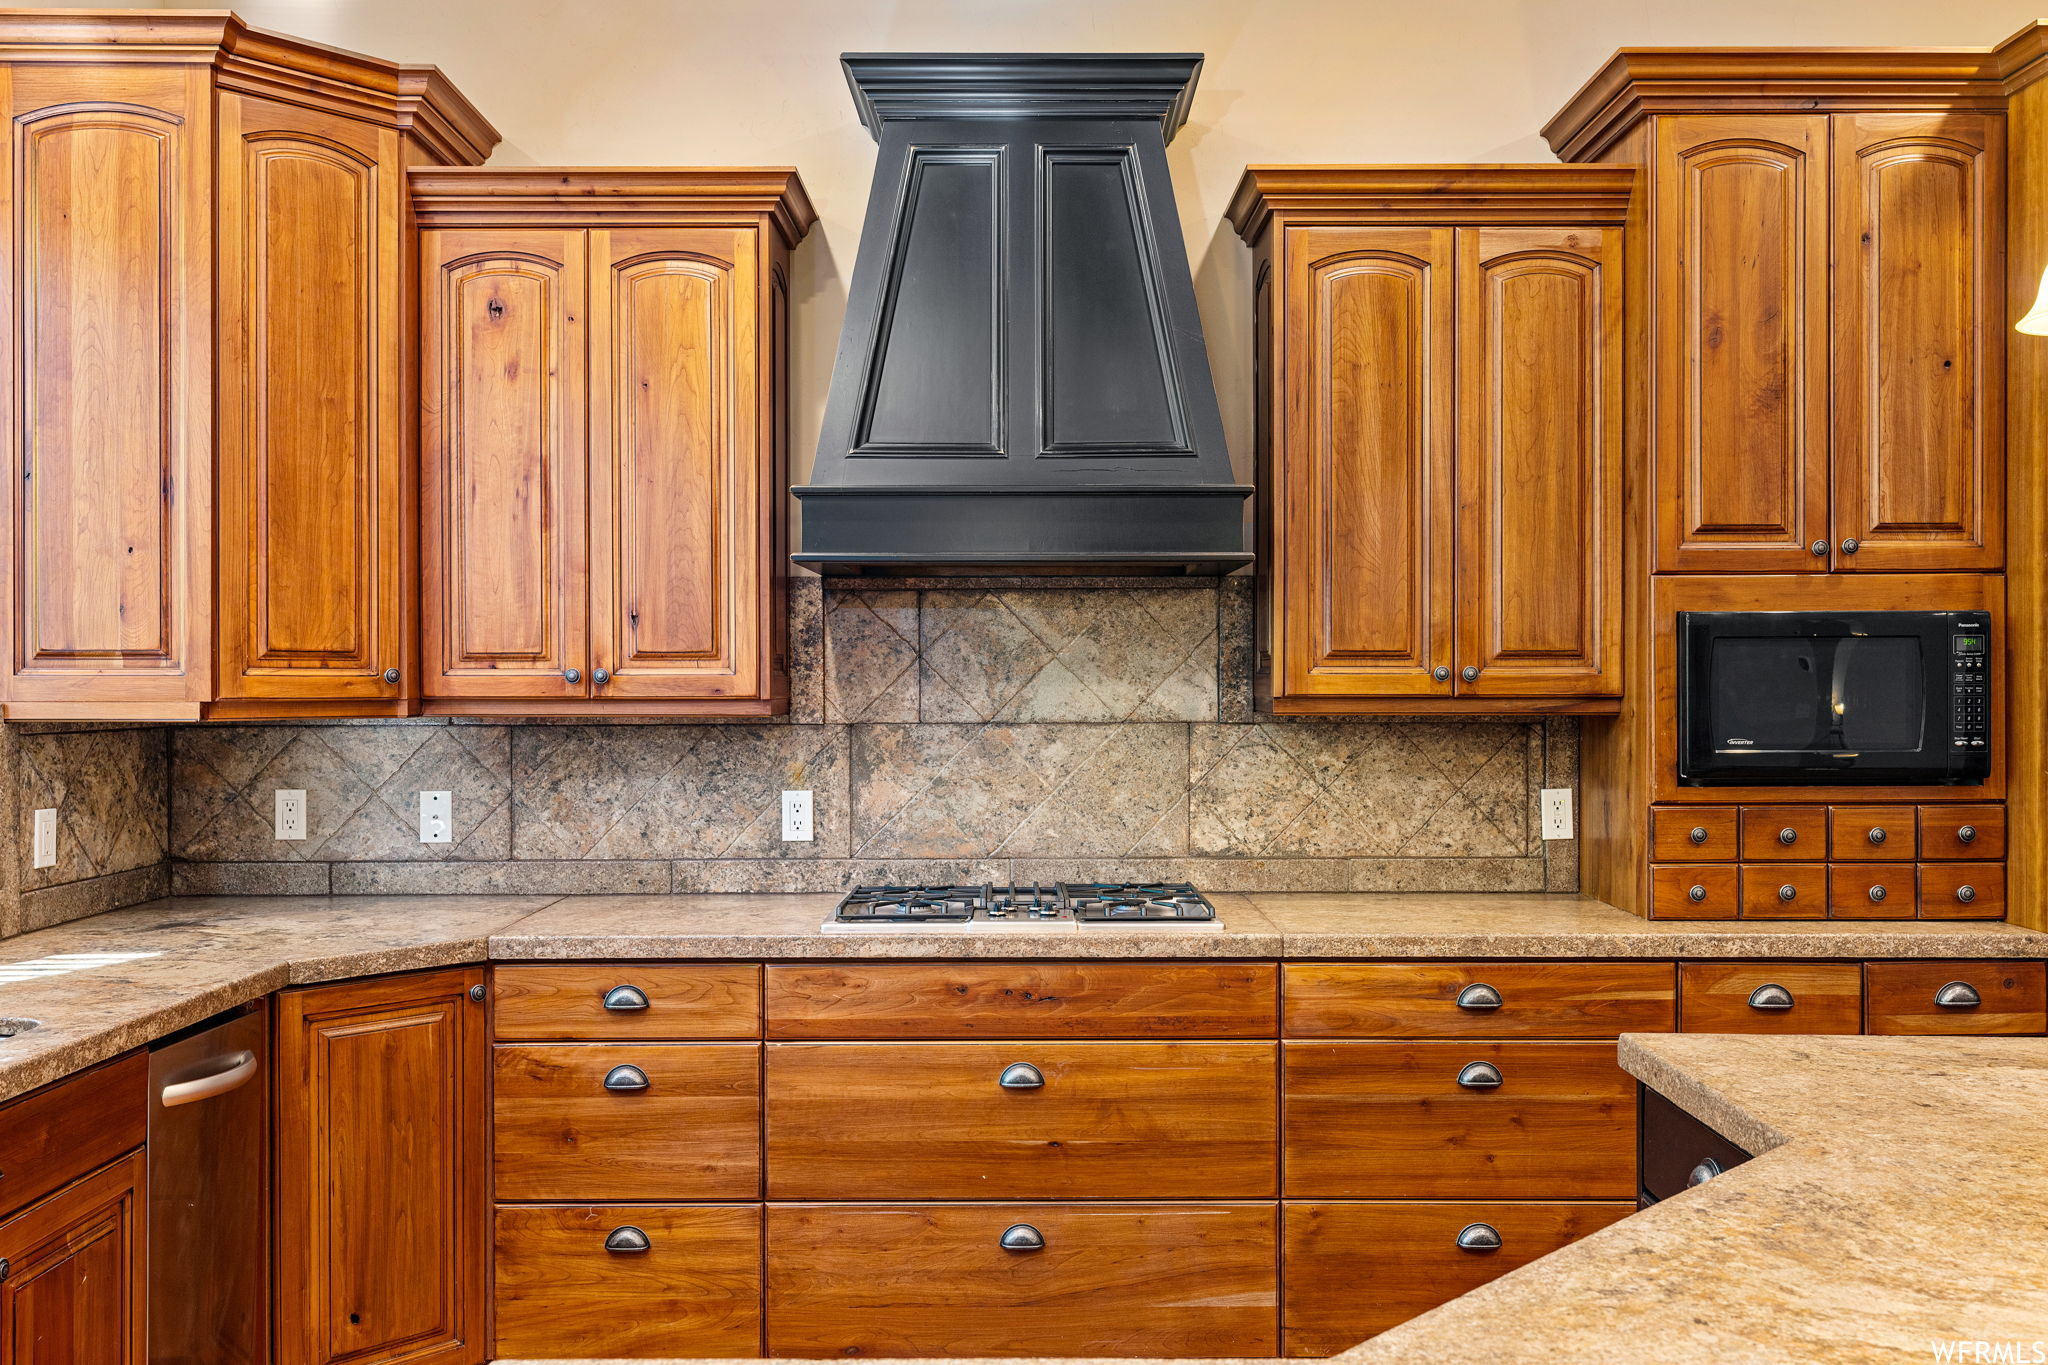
{"x":1021,"y":383}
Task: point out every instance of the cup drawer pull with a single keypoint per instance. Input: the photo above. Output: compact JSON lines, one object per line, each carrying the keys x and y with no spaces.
{"x":627,"y":1241}
{"x":1478,"y":1237}
{"x":625,"y":1079}
{"x":1772,"y":997}
{"x":1958,"y":995}
{"x":1702,"y":1173}
{"x":1479,"y":996}
{"x":625,"y":999}
{"x":1021,"y":1076}
{"x":1022,"y":1237}
{"x":1479,"y":1076}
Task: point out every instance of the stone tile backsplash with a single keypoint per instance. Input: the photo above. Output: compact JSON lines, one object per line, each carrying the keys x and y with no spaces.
{"x":948,"y":731}
{"x":110,"y":787}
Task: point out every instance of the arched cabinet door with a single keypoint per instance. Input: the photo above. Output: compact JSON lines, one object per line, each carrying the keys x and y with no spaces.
{"x":678,"y":417}
{"x":1362,"y":542}
{"x":1740,"y":274}
{"x":1539,"y":462}
{"x":1919,"y":454}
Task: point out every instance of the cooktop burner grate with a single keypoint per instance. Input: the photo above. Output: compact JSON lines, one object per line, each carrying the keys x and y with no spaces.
{"x":1040,"y":905}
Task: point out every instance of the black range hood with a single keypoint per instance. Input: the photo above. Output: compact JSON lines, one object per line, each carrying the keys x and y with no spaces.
{"x":1021,"y":383}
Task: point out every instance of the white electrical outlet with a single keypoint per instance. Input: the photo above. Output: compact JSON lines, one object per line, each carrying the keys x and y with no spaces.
{"x":1557,"y":812}
{"x":291,"y":814}
{"x":796,"y":817}
{"x":437,"y":817}
{"x":46,"y":838}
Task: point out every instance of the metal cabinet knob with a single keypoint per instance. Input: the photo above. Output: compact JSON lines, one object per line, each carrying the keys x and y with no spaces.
{"x":625,"y":1079}
{"x":476,"y":993}
{"x":1967,"y":834}
{"x":1788,"y":836}
{"x":601,"y":676}
{"x":391,"y":675}
{"x":1479,"y":1076}
{"x":1877,"y":894}
{"x":1966,"y":894}
{"x":1021,"y":1237}
{"x":1442,"y":673}
{"x":1478,"y":1237}
{"x":1479,"y":996}
{"x":627,"y":1240}
{"x":1471,"y":673}
{"x":1958,"y":995}
{"x":1702,"y":1173}
{"x":572,"y":675}
{"x":1698,"y":834}
{"x":1770,"y":996}
{"x":1876,"y":835}
{"x":1819,"y":548}
{"x":1788,"y":892}
{"x":625,"y":999}
{"x":1021,"y":1076}
{"x":1851,"y":545}
{"x":1696,"y":893}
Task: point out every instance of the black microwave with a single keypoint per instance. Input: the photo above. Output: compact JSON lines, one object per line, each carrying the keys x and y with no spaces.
{"x":1833,"y":699}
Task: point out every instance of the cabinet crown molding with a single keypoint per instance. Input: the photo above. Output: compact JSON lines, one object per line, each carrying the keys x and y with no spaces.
{"x":1638,"y":82}
{"x":1479,"y":194}
{"x":445,"y":196}
{"x":416,"y":99}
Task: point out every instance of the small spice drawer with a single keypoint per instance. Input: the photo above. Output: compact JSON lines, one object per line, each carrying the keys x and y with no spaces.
{"x":626,"y":1001}
{"x":615,"y":1121}
{"x":1962,"y":891}
{"x":1873,"y":833}
{"x":1873,"y":891}
{"x":1956,"y":997}
{"x":1784,"y":833}
{"x":1697,"y":891}
{"x":1356,"y":1269}
{"x":1784,"y":891}
{"x":1693,"y":834}
{"x":1445,"y":1120}
{"x":627,"y":1280}
{"x":1479,"y":999}
{"x":1976,"y":833}
{"x":1770,"y":997}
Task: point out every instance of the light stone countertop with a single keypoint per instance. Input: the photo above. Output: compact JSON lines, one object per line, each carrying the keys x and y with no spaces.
{"x":199,"y":955}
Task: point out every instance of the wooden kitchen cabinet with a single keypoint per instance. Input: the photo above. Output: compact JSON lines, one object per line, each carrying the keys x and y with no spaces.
{"x":207,"y":380}
{"x":1440,"y":442}
{"x":381,"y":1195}
{"x":75,"y":1281}
{"x":604,"y":439}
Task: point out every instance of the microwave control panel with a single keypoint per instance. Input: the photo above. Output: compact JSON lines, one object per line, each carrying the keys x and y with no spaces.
{"x":1970,"y":686}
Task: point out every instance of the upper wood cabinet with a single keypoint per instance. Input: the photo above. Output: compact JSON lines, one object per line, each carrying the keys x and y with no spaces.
{"x":206,"y":378}
{"x":1439,"y":435}
{"x":604,"y":435}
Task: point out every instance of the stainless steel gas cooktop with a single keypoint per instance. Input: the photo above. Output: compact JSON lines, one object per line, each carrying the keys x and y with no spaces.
{"x":1040,"y":907}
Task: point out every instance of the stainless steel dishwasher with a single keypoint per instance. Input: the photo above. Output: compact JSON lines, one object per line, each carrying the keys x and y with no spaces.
{"x":209,"y":1192}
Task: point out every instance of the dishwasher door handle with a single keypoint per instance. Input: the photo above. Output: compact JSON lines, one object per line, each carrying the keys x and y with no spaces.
{"x":239,"y":1069}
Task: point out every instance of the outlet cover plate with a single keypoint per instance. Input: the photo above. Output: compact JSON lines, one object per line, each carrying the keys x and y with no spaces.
{"x":1557,"y":812}
{"x":796,"y":818}
{"x":291,"y":814}
{"x":46,"y":837}
{"x":437,"y":817}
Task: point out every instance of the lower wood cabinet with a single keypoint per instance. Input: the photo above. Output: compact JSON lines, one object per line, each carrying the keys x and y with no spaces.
{"x":1956,"y":997}
{"x":1770,"y":997}
{"x":1356,"y":1269}
{"x":1023,"y":1279}
{"x":74,"y":1284}
{"x":628,"y":1280}
{"x":381,"y":1200}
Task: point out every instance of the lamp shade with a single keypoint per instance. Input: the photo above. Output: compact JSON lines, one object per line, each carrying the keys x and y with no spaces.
{"x":2035,"y":323}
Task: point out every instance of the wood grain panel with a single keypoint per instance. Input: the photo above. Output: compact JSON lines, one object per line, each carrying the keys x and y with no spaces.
{"x":1792,"y":834}
{"x":1356,"y":1269}
{"x":1919,"y":344}
{"x":1111,"y":1280}
{"x":1713,"y":997}
{"x":76,"y":1274}
{"x":1696,"y":891}
{"x":1962,"y":891}
{"x":1973,"y":832}
{"x":2026,"y":493}
{"x":1784,"y":891}
{"x":1873,"y":891}
{"x":1539,"y":461}
{"x":675,"y":462}
{"x":1369,"y":485}
{"x":1391,"y":1120}
{"x":695,"y":1291}
{"x":503,"y":452}
{"x":1420,"y":999}
{"x":1023,"y":1000}
{"x":54,"y":1135}
{"x":684,"y":1000}
{"x":1873,"y":833}
{"x":1900,"y":997}
{"x":380,"y":1193}
{"x":1741,"y":291}
{"x":311,"y":452}
{"x":694,"y":1133}
{"x":1693,"y":834}
{"x":838,"y":1114}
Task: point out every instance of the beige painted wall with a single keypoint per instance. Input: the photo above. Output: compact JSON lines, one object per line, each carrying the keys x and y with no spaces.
{"x":735,"y":82}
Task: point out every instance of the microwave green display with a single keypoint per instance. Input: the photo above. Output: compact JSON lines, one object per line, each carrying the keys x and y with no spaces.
{"x":1969,"y":644}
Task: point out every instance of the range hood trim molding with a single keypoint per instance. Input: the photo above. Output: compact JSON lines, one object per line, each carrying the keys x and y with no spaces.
{"x":1023,"y":85}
